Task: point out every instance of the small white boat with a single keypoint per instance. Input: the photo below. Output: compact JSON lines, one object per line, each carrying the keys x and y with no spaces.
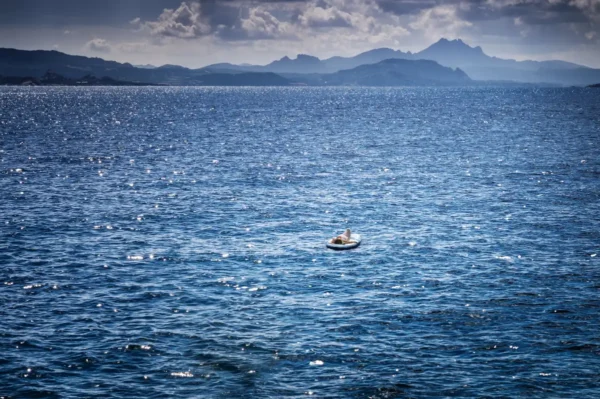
{"x":353,"y":243}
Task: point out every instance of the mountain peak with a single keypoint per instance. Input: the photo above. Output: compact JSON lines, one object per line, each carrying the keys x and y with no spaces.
{"x":171,"y":66}
{"x":446,"y":42}
{"x":301,"y":64}
{"x":456,"y":47}
{"x":301,"y":58}
{"x":454,"y":53}
{"x":306,"y":57}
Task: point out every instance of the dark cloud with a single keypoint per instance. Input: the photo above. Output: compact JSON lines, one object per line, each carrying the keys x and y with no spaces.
{"x":226,"y":13}
{"x":221,"y":13}
{"x":405,"y":7}
{"x":225,"y":19}
{"x":529,"y":12}
{"x":78,"y":12}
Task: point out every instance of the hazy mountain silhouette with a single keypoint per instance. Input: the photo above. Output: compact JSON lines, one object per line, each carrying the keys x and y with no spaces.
{"x":454,"y":53}
{"x":388,"y":72}
{"x":51,"y":78}
{"x":335,"y":64}
{"x":398,"y":72}
{"x":145,"y":66}
{"x":303,"y":62}
{"x":307,"y":69}
{"x":480,"y":66}
{"x":450,"y":53}
{"x":458,"y":54}
{"x":35,"y":64}
{"x":309,"y":64}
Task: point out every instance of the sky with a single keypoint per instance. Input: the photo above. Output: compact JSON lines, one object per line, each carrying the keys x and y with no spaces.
{"x":199,"y":33}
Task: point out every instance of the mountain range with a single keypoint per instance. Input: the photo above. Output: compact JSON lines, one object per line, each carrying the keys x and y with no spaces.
{"x":446,"y":62}
{"x":450,"y":53}
{"x":54,"y":79}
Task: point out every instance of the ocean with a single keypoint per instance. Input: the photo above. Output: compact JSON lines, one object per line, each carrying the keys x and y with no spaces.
{"x":170,"y":242}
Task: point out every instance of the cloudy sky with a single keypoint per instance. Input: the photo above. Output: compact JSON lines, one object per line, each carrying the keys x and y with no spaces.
{"x":198,"y":33}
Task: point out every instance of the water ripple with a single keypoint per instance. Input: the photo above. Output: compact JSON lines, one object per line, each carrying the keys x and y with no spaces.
{"x":180,"y":252}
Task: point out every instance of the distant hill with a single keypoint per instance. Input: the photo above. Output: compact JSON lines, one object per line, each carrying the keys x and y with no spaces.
{"x":399,"y":72}
{"x":145,"y":66}
{"x":54,"y":79}
{"x":480,"y":66}
{"x":451,"y":53}
{"x":335,"y":64}
{"x":308,"y":64}
{"x":454,"y":53}
{"x":472,"y":62}
{"x":458,"y":54}
{"x":303,"y":64}
{"x":34,"y":64}
{"x":172,"y":67}
{"x":389,"y":72}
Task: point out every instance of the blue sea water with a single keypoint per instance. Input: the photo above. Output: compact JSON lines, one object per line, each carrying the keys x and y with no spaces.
{"x":170,"y":242}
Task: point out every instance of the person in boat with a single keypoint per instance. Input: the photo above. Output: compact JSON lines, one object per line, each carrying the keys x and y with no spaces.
{"x":343,"y":238}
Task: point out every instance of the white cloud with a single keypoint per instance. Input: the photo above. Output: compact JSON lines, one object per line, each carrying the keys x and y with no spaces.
{"x":98,"y":46}
{"x":586,"y":4}
{"x":261,"y":24}
{"x":358,"y":20}
{"x":287,"y":21}
{"x":440,"y":21}
{"x":316,"y":16}
{"x":186,"y":22}
{"x":590,"y":35}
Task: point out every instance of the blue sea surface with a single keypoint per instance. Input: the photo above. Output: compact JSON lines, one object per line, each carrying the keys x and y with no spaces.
{"x":170,"y":242}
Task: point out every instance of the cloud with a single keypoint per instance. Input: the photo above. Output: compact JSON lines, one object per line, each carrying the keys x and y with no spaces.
{"x":222,"y":20}
{"x":534,"y":12}
{"x":440,"y":21}
{"x":269,"y":20}
{"x":185,"y":22}
{"x":349,"y":26}
{"x":261,"y":24}
{"x":361,"y":18}
{"x":319,"y":17}
{"x":591,"y":8}
{"x":133,"y":47}
{"x":591,"y":5}
{"x":98,"y":46}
